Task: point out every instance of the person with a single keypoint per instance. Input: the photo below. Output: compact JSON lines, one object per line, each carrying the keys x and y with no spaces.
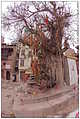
{"x":14,"y":80}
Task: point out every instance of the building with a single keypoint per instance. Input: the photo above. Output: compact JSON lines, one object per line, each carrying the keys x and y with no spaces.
{"x":8,"y":60}
{"x":27,"y":56}
{"x":2,"y":39}
{"x":77,"y":61}
{"x":24,"y":61}
{"x":70,"y":67}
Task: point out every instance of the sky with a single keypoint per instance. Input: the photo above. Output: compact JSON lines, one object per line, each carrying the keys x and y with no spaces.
{"x":10,"y":35}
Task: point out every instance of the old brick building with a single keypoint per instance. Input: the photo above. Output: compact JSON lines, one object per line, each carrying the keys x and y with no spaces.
{"x":8,"y":61}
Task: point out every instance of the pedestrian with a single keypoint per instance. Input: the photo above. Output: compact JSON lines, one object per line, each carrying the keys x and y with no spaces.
{"x":14,"y":75}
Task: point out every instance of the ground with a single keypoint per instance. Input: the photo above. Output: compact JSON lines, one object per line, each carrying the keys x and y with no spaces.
{"x":21,"y":100}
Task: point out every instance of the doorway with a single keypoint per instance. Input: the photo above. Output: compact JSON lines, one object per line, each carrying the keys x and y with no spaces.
{"x":2,"y":73}
{"x":7,"y":75}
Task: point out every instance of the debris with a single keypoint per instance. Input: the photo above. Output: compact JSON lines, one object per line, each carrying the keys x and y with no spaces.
{"x":57,"y":87}
{"x":5,"y":115}
{"x":16,"y":94}
{"x":26,"y":93}
{"x":12,"y":114}
{"x":20,"y":89}
{"x":34,"y":93}
{"x":10,"y":88}
{"x":13,"y":101}
{"x":2,"y":114}
{"x":32,"y":83}
{"x":8,"y":96}
{"x":21,"y":100}
{"x":29,"y":92}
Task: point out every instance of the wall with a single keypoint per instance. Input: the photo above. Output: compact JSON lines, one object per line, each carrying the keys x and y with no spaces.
{"x":66,"y":71}
{"x":27,"y":60}
{"x":72,"y":71}
{"x":10,"y":61}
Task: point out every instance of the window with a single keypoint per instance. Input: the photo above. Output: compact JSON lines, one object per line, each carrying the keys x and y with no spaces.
{"x":4,"y":53}
{"x":17,"y":55}
{"x":22,"y":62}
{"x":23,"y":52}
{"x":10,"y":50}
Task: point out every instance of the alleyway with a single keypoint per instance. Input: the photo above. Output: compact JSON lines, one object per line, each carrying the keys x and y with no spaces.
{"x":17,"y":101}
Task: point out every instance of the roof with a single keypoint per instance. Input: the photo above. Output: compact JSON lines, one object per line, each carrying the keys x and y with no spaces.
{"x":4,"y":45}
{"x":70,"y":53}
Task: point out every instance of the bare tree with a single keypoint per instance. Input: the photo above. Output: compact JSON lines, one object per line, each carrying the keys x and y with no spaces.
{"x":53,"y":18}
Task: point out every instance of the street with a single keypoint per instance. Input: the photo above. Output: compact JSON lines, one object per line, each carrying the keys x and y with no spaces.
{"x":18,"y":101}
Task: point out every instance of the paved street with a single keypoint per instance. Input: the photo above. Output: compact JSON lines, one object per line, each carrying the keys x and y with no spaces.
{"x":18,"y":102}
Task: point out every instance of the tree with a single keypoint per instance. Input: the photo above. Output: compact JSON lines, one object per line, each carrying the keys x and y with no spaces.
{"x":47,"y":20}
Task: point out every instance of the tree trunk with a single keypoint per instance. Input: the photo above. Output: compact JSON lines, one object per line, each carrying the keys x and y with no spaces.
{"x":56,"y":73}
{"x":59,"y":72}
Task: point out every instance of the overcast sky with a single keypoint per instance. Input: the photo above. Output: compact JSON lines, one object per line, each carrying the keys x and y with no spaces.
{"x":10,"y":35}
